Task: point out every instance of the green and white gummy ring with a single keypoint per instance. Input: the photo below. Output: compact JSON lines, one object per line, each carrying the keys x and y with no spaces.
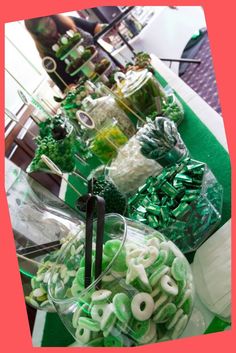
{"x":82,"y":334}
{"x":113,"y":341}
{"x":89,"y":324}
{"x":160,"y":301}
{"x":80,"y":311}
{"x":158,"y":274}
{"x":147,"y":259}
{"x":31,"y":301}
{"x":173,"y":320}
{"x":97,"y":342}
{"x":139,"y":329}
{"x":111,"y":247}
{"x":142,"y":306}
{"x":179,"y":327}
{"x":186,"y":296}
{"x":122,"y":307}
{"x":110,"y":326}
{"x":154,"y":242}
{"x":179,"y":269}
{"x":101,"y":296}
{"x":80,"y":276}
{"x":155,"y":292}
{"x":168,"y":285}
{"x":150,"y":335}
{"x":165,"y":313}
{"x":97,"y":311}
{"x":108,"y":317}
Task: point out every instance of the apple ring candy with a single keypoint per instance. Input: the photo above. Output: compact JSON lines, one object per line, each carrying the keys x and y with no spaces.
{"x":144,"y":294}
{"x":142,"y":306}
{"x":168,"y":285}
{"x":122,"y":309}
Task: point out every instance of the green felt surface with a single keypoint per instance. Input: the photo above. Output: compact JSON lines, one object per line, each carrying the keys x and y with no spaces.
{"x":202,"y":146}
{"x":55,"y":334}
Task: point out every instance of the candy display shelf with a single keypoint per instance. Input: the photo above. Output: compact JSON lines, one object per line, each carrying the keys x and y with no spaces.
{"x":87,"y":63}
{"x":73,"y":48}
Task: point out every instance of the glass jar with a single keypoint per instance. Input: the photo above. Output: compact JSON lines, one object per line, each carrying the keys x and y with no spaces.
{"x":107,"y":141}
{"x":141,"y":91}
{"x":171,"y":106}
{"x":144,"y":294}
{"x":58,"y":144}
{"x":160,"y":140}
{"x":106,"y":108}
{"x":130,"y":168}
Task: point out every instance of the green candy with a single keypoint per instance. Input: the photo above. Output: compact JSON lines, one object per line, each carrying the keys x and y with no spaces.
{"x":112,"y":247}
{"x":113,"y":341}
{"x":157,"y":275}
{"x":179,"y":269}
{"x":165,"y":313}
{"x":79,"y":312}
{"x":101,"y":296}
{"x":122,"y":307}
{"x":108,"y":321}
{"x":97,"y":311}
{"x":119,"y":264}
{"x":97,"y":342}
{"x":138,"y":329}
{"x":80,"y":276}
{"x":89,"y":324}
{"x":82,"y":334}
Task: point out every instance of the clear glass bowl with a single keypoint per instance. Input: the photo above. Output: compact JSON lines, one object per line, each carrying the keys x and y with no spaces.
{"x":144,"y":294}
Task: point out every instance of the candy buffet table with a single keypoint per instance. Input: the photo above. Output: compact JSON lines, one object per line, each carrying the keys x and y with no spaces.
{"x":203,"y":133}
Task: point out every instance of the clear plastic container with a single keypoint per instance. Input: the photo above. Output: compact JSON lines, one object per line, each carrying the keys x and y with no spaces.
{"x":185,"y":205}
{"x":144,"y":294}
{"x":105,"y":108}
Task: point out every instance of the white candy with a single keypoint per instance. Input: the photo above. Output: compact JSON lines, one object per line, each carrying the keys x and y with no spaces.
{"x":145,"y":313}
{"x":168,"y":285}
{"x":101,"y":295}
{"x":130,"y":169}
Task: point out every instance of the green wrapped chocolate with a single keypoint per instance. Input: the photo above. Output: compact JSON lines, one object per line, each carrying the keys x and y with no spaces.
{"x":184,"y":202}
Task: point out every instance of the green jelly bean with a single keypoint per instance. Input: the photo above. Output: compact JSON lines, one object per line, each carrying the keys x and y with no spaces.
{"x":122,"y":307}
{"x":165,"y":313}
{"x":113,"y":341}
{"x":179,"y":269}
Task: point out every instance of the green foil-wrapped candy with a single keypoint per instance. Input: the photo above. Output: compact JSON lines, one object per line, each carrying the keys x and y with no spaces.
{"x":184,"y":202}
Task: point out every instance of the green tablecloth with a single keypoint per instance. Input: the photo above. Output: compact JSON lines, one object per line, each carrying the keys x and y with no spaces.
{"x":202,"y":146}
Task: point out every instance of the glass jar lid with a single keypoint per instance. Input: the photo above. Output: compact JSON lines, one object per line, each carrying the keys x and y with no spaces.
{"x":132,"y":81}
